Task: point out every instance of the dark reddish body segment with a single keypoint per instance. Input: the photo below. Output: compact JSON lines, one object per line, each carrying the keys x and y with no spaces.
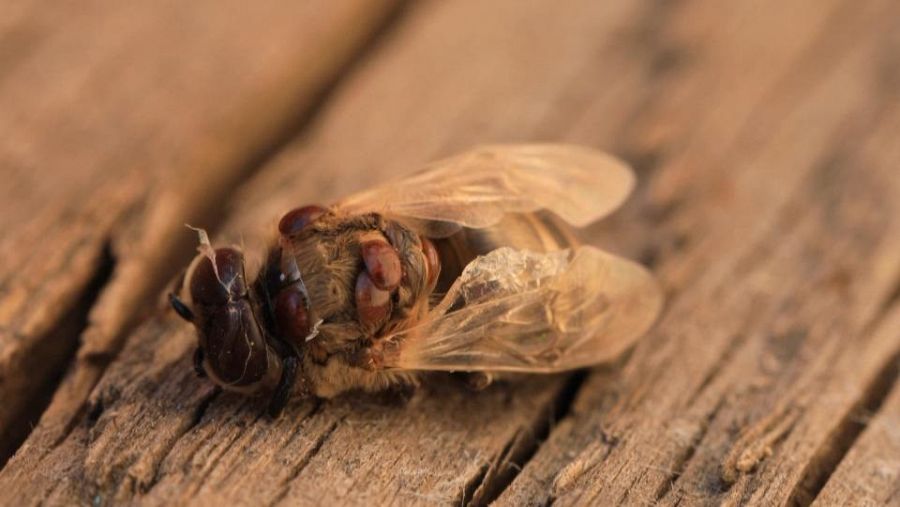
{"x":373,"y":305}
{"x":291,"y":308}
{"x":232,"y":340}
{"x":293,"y":222}
{"x":291,"y":315}
{"x":374,"y":288}
{"x":241,"y":351}
{"x":382,"y":263}
{"x":216,"y":286}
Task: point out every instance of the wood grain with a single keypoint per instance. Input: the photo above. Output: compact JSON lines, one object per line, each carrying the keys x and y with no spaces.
{"x":787,"y":232}
{"x":122,"y":122}
{"x":117,"y":466}
{"x":869,"y":474}
{"x":764,"y":137}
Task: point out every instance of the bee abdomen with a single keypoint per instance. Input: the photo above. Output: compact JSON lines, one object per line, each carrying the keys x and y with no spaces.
{"x":539,"y":232}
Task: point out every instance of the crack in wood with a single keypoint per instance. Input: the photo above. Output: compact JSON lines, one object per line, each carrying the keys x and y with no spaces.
{"x":682,"y":461}
{"x":724,"y":360}
{"x":213,"y":218}
{"x":202,"y":407}
{"x":494,"y":477}
{"x":515,"y":439}
{"x":197,"y":416}
{"x":89,"y":413}
{"x":211,"y":465}
{"x":298,"y":469}
{"x":829,"y":455}
{"x":476,"y":482}
{"x":75,"y":323}
{"x":58,"y":347}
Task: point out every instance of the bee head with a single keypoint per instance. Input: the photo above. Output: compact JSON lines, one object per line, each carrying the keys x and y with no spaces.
{"x":232,"y":341}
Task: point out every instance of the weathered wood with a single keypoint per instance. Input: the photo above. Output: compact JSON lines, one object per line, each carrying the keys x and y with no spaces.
{"x":765,"y":140}
{"x":785,"y":213}
{"x":126,"y":462}
{"x":869,"y":475}
{"x":121,"y":122}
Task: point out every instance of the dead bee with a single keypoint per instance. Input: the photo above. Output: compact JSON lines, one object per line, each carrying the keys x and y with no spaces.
{"x":470,"y":265}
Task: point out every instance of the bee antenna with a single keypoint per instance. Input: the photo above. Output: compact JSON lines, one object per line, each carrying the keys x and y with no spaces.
{"x":180,"y":308}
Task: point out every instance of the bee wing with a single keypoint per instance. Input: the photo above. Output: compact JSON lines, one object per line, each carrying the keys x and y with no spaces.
{"x":516,"y":310}
{"x":475,"y":189}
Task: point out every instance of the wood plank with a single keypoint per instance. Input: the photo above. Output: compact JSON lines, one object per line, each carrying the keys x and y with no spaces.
{"x":787,"y":227}
{"x":869,"y":474}
{"x":764,"y":138}
{"x":121,"y":122}
{"x":445,"y":80}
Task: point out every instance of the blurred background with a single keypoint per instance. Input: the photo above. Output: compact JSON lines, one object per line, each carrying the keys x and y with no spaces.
{"x":764,"y":135}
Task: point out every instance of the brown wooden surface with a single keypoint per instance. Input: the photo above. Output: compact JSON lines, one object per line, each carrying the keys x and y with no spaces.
{"x":120,"y":123}
{"x":869,"y":474}
{"x":764,"y":136}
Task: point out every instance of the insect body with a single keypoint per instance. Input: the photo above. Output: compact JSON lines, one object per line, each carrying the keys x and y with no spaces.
{"x":470,"y":265}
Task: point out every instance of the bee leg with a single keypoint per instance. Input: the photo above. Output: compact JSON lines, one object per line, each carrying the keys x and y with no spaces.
{"x":285,"y":386}
{"x":180,"y":308}
{"x":198,"y":363}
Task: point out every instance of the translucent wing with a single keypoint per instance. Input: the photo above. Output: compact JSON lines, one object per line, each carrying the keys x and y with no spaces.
{"x":515,"y":310}
{"x":475,"y":189}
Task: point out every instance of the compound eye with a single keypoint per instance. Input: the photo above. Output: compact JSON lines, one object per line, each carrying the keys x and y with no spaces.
{"x":217,"y":286}
{"x":293,"y":222}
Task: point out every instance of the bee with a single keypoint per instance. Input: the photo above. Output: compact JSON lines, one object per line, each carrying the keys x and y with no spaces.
{"x":471,"y":265}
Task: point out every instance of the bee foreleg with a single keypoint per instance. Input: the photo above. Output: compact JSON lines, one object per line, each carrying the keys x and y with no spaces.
{"x":285,"y":386}
{"x":180,"y":308}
